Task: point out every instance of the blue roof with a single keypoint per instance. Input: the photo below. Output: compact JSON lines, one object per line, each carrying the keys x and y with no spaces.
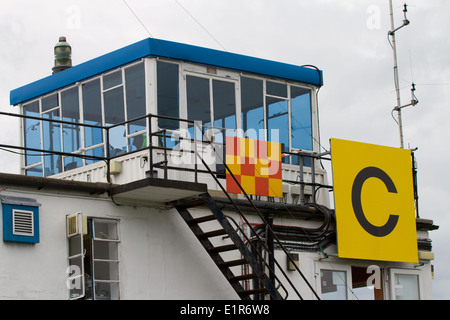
{"x":151,"y":47}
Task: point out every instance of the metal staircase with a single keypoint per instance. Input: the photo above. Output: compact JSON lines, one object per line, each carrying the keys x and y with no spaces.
{"x":262,"y":285}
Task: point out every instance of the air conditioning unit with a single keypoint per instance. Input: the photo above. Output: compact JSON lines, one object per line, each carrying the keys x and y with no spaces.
{"x":76,"y":224}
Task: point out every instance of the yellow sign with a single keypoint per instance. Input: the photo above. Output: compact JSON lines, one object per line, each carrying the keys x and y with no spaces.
{"x":374,"y":202}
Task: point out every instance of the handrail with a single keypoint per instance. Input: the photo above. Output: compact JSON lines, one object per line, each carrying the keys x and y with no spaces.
{"x":265,"y":222}
{"x":150,"y":148}
{"x":249,"y":241}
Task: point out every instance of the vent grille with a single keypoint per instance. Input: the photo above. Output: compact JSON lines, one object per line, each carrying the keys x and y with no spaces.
{"x":23,"y":223}
{"x":72,"y":225}
{"x":76,"y":224}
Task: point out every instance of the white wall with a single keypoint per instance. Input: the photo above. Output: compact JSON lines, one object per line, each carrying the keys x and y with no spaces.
{"x":159,"y":256}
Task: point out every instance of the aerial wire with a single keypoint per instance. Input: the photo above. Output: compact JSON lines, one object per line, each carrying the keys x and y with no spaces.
{"x":136,"y":16}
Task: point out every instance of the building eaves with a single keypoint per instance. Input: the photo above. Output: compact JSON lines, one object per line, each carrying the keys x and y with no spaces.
{"x":53,"y":184}
{"x":151,"y":47}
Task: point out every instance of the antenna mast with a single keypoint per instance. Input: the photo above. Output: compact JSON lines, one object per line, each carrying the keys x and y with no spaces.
{"x":414,"y":101}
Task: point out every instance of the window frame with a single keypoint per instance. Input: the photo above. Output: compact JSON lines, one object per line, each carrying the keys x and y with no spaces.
{"x":41,"y":164}
{"x":320,"y":266}
{"x":149,"y":66}
{"x":393,"y":272}
{"x":289,"y":84}
{"x":88,"y":239}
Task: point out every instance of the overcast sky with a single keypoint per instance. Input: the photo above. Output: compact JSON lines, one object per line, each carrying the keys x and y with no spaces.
{"x":346,"y":39}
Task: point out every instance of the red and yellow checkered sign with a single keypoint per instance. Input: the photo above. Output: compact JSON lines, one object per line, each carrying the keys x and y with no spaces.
{"x":256,"y":165}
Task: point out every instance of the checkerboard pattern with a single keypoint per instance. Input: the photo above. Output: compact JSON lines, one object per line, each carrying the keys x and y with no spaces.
{"x":256,"y":165}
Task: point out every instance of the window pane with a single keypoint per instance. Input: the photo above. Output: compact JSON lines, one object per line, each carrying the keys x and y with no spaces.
{"x":198,"y":99}
{"x":113,"y":100}
{"x":114,"y":113}
{"x":407,"y":287}
{"x":224,"y":109}
{"x":76,"y":277}
{"x":278,"y":123}
{"x":71,"y":133}
{"x":92,"y":113}
{"x":112,"y":80}
{"x":106,"y":250}
{"x":32,"y":134}
{"x":252,"y":108}
{"x":75,"y":245}
{"x":49,"y":102}
{"x":96,"y":152}
{"x":276,"y":89}
{"x":106,"y":270}
{"x":333,"y":285}
{"x":135,"y":95}
{"x":168,"y":94}
{"x":52,"y":142}
{"x":105,"y":230}
{"x":301,"y":122}
{"x":198,"y":102}
{"x":301,"y":118}
{"x":107,"y":291}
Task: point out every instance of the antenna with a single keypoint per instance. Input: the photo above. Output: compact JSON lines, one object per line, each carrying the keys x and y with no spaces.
{"x":414,"y":100}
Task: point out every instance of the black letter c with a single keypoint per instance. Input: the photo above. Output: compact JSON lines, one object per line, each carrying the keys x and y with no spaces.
{"x":363,"y":175}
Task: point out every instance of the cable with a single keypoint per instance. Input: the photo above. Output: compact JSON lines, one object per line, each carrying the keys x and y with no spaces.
{"x":193,"y":18}
{"x":136,"y":16}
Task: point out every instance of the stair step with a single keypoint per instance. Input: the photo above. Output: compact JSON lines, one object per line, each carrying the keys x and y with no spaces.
{"x":244,"y":277}
{"x":211,"y":234}
{"x":232,"y":263}
{"x":228,"y":247}
{"x":201,"y":219}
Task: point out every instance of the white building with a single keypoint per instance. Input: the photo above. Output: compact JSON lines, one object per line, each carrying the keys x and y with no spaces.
{"x":123,"y":186}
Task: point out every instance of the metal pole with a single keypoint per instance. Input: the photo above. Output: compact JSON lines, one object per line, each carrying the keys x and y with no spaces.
{"x":396,"y":80}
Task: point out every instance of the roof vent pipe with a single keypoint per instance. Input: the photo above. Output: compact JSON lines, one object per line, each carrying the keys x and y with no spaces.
{"x":63,"y":56}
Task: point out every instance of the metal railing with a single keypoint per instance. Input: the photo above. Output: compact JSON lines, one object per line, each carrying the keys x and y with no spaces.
{"x":161,"y":136}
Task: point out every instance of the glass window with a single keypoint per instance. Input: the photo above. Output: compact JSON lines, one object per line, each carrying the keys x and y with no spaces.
{"x":333,"y":285}
{"x":224,"y":109}
{"x":278,"y":123}
{"x":168,"y":94}
{"x":32,"y":135}
{"x":252,"y":101}
{"x":95,"y":259}
{"x":301,"y":122}
{"x":407,"y":287}
{"x":52,"y":141}
{"x":198,"y":101}
{"x":114,"y":114}
{"x":276,"y":89}
{"x":71,"y":133}
{"x":112,"y":80}
{"x":92,"y":113}
{"x":49,"y":102}
{"x":135,"y":96}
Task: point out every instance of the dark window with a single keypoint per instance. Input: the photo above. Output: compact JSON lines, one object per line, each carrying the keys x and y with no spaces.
{"x":252,"y":100}
{"x":168,"y":94}
{"x":92,"y":113}
{"x":71,"y":133}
